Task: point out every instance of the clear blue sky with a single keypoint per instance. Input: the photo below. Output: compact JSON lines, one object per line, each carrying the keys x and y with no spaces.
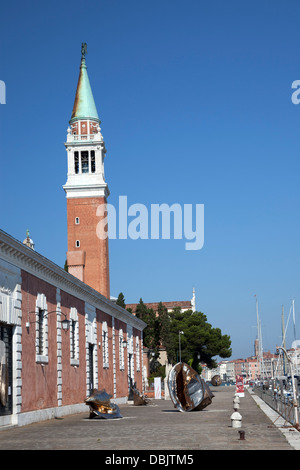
{"x":195,"y":103}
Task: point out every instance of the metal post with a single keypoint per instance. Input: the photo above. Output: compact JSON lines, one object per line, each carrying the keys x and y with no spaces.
{"x":180,"y":333}
{"x":179,"y":349}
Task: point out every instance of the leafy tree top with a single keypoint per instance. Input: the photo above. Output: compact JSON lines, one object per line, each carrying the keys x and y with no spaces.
{"x":200,"y":341}
{"x":121,"y":300}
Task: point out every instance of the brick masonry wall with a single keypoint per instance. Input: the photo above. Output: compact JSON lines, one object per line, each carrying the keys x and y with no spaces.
{"x":121,"y":374}
{"x":96,"y":269}
{"x":39,"y":382}
{"x":106,"y":376}
{"x":73,"y":377}
{"x":57,"y":382}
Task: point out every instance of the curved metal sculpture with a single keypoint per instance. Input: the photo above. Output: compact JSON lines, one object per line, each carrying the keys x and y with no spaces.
{"x":138,"y":398}
{"x":216,"y":380}
{"x":187,"y":390}
{"x":99,"y":403}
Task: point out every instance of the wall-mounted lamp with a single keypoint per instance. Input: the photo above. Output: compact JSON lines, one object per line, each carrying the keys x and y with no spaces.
{"x":65,"y":324}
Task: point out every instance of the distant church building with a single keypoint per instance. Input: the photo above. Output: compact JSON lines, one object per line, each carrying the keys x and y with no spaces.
{"x":184,"y":305}
{"x":60,"y":334}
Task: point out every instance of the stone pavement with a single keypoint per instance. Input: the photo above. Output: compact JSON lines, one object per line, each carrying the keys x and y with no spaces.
{"x":159,"y":426}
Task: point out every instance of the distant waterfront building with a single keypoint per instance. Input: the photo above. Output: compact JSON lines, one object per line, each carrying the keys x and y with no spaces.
{"x":249,"y":368}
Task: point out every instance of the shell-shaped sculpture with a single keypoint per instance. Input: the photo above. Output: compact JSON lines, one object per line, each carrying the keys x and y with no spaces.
{"x":216,"y":380}
{"x":100,"y":405}
{"x":187,"y":390}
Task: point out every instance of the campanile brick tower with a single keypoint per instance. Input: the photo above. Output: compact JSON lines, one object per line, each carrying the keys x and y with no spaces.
{"x":86,"y":189}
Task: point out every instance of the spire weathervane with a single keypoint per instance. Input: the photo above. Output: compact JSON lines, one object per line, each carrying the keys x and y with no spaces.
{"x":83,"y":50}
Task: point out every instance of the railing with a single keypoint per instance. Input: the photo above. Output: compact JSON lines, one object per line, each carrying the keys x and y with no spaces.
{"x":84,"y":137}
{"x":283,"y":405}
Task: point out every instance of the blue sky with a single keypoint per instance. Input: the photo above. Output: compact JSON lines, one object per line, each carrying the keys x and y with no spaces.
{"x":195,"y":103}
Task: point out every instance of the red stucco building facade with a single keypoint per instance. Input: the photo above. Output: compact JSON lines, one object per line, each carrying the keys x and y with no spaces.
{"x":50,"y":370}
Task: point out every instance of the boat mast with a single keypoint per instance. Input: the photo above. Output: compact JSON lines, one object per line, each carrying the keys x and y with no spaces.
{"x":283,"y":340}
{"x":294,"y":320}
{"x":259,"y":339}
{"x":295,"y":338}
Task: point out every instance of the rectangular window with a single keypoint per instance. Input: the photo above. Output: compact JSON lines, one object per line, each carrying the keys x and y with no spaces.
{"x":105,"y":348}
{"x":41,"y":317}
{"x":41,"y":329}
{"x":76,"y":162}
{"x":85,"y":162}
{"x":105,"y":344}
{"x":72,"y":338}
{"x":93,"y":162}
{"x":137,"y":344}
{"x":121,"y":350}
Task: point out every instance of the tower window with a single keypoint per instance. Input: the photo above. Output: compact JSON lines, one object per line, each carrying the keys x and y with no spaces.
{"x":77,"y":220}
{"x":85,"y":162}
{"x":93,"y":162}
{"x":76,"y":162}
{"x":77,"y":243}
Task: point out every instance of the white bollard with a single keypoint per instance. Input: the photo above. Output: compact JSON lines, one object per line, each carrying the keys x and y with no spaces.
{"x":236,"y":403}
{"x":236,"y":420}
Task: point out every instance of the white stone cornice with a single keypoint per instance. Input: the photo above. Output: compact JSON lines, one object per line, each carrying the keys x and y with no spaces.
{"x":85,"y":191}
{"x":19,"y":255}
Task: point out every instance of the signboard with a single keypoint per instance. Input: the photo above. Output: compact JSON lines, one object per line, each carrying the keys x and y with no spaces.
{"x":239,"y":385}
{"x":157,"y":387}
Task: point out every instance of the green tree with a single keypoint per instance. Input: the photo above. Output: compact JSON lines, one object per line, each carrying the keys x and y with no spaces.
{"x":121,"y":300}
{"x":162,"y":327}
{"x":149,"y":334}
{"x":200,"y":340}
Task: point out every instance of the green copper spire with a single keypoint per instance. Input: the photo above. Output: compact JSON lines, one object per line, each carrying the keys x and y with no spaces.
{"x":84,"y":104}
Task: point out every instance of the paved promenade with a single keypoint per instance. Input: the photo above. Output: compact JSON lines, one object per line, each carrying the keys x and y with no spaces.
{"x":159,"y":426}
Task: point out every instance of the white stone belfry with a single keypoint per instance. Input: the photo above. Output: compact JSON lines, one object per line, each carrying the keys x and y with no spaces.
{"x":85,"y":145}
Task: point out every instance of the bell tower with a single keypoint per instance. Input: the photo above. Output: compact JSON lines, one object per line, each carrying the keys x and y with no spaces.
{"x":86,"y":189}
